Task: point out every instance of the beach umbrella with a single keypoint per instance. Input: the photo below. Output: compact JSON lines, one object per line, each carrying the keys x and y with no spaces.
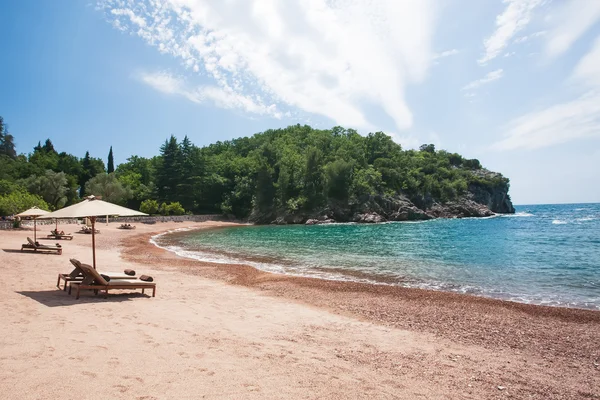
{"x":34,"y":213}
{"x":91,"y":208}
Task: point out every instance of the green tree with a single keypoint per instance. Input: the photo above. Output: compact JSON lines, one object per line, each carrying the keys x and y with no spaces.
{"x":108,"y":187}
{"x":51,"y":186}
{"x":313,"y":178}
{"x":366,"y":181}
{"x":111,"y":162}
{"x":19,"y":201}
{"x":338,"y":175}
{"x":168,"y":175}
{"x":265,"y":190}
{"x":7,"y":145}
{"x":91,"y":167}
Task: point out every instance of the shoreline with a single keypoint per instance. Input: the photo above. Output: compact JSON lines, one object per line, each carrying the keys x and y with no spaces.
{"x":530,"y":327}
{"x":335,"y":275}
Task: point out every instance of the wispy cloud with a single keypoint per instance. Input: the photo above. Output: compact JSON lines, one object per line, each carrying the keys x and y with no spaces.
{"x":167,"y":83}
{"x":513,"y":19}
{"x":331,"y":58}
{"x":576,"y":119}
{"x":570,"y":20}
{"x":587,"y":70}
{"x":563,"y":122}
{"x":526,"y":38}
{"x":489,"y":77}
{"x":446,"y":53}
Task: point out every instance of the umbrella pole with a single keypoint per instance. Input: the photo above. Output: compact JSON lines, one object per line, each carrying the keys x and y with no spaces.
{"x":94,"y":240}
{"x":34,"y":229}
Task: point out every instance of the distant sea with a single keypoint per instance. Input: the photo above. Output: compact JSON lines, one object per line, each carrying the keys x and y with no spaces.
{"x":542,"y":254}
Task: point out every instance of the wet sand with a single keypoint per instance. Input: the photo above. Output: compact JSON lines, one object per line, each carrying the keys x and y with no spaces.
{"x":230,"y":331}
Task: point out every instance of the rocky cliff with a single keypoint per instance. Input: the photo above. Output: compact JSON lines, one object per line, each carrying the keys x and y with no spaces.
{"x":480,"y":200}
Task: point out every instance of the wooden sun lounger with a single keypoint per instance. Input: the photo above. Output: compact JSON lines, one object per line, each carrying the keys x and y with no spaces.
{"x":31,"y":245}
{"x":101,"y":284}
{"x":78,"y":275}
{"x":58,"y":236}
{"x":88,"y":230}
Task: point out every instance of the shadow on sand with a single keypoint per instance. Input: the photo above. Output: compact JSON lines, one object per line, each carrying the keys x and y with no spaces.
{"x":30,"y":252}
{"x":59,"y":298}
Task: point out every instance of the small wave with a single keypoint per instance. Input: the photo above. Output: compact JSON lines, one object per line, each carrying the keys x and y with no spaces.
{"x":559,"y":222}
{"x":586,"y":219}
{"x":520,"y":214}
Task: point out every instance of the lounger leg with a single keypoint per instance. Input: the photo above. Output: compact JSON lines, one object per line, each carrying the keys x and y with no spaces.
{"x":154,"y":291}
{"x":70,"y":287}
{"x":142,"y":290}
{"x":78,"y":289}
{"x":58,"y":282}
{"x":106,"y":293}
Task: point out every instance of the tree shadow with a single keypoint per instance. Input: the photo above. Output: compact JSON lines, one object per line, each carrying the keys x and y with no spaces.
{"x":60,"y":298}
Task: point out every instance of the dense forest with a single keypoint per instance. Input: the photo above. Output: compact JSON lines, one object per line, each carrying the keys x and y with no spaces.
{"x":285,"y":175}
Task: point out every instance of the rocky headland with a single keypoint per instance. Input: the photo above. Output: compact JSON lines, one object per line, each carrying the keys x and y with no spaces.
{"x":479,"y":201}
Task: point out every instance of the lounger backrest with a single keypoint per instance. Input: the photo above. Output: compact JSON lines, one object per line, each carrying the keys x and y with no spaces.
{"x":77,"y":271}
{"x":89,"y":271}
{"x":31,"y":242}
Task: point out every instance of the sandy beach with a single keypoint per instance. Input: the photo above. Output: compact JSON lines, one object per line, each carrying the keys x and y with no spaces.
{"x":232,"y":332}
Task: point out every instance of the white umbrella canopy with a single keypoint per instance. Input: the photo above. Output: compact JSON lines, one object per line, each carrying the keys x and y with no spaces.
{"x":33,"y":212}
{"x":92,"y":207}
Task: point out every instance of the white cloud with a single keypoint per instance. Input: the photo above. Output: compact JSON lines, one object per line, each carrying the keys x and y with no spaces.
{"x":576,"y":119}
{"x":587,"y":70}
{"x":332,"y":58}
{"x":446,"y":53}
{"x":563,"y":122}
{"x":228,"y":99}
{"x":570,"y":20}
{"x":525,"y":38}
{"x":489,"y":77}
{"x":515,"y":17}
{"x":136,"y":19}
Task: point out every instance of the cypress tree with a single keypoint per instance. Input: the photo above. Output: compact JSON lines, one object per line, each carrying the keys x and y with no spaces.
{"x":111,"y":162}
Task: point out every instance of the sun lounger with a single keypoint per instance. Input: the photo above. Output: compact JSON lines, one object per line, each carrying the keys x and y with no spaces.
{"x":87,"y":229}
{"x":59,"y":236}
{"x":42,"y":248}
{"x":100,"y":283}
{"x":127,"y":226}
{"x":78,"y":275}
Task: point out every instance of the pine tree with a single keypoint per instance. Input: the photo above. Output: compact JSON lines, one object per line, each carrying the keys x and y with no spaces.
{"x":49,"y":147}
{"x":168,"y":174}
{"x":313,"y":178}
{"x":7,"y":145}
{"x":111,"y":163}
{"x":90,"y":168}
{"x":85,"y":174}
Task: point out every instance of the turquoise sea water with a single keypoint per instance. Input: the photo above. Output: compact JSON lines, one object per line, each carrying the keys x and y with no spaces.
{"x":544,"y":254}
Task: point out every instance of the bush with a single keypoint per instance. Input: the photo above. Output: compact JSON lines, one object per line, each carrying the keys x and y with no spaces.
{"x":149,"y":206}
{"x":19,"y":201}
{"x":175,"y":209}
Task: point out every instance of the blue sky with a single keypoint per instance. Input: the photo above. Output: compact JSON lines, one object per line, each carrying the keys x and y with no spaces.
{"x":515,"y":84}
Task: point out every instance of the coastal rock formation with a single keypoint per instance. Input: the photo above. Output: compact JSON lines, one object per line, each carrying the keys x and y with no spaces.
{"x":480,"y":200}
